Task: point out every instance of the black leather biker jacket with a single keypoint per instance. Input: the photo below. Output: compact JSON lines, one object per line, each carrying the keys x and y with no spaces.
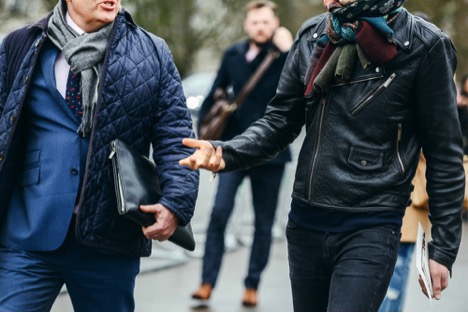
{"x":363,"y":140}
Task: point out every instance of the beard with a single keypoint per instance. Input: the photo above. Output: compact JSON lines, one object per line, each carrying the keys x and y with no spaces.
{"x":261,"y":44}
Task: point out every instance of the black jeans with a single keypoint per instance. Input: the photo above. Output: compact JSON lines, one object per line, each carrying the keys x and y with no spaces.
{"x":347,"y":271}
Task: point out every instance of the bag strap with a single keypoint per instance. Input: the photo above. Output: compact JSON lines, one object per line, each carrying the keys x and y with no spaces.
{"x":253,"y":80}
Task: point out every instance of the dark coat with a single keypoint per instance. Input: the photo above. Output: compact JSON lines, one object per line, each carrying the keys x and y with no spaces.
{"x":140,"y":101}
{"x":363,"y":141}
{"x":233,"y":73}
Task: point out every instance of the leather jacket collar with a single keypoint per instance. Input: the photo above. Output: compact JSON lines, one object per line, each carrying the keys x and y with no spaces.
{"x":403,"y":27}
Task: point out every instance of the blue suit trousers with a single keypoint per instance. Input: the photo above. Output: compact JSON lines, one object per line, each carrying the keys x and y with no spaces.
{"x":95,"y":280}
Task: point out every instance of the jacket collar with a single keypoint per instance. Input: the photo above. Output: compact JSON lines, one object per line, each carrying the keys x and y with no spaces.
{"x":403,"y":27}
{"x":41,"y":24}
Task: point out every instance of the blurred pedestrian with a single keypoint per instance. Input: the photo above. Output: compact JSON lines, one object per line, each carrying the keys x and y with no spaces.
{"x":69,"y":85}
{"x":369,"y":81}
{"x":462,"y":98}
{"x":462,"y":104}
{"x":239,"y":62}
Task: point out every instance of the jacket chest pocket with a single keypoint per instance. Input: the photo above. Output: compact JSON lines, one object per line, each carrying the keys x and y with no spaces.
{"x":372,"y":95}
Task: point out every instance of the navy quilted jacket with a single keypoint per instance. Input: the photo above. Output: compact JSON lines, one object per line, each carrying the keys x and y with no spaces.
{"x":140,"y":101}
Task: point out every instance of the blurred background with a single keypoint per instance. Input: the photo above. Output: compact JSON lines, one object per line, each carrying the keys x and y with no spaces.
{"x":198,"y":30}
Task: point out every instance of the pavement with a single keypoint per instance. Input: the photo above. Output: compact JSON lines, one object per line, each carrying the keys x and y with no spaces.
{"x":170,"y":275}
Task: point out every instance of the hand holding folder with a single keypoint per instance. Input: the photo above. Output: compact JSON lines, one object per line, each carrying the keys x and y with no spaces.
{"x":136,"y":183}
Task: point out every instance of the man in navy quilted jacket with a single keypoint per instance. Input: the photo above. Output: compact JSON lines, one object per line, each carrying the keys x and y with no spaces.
{"x":69,"y":85}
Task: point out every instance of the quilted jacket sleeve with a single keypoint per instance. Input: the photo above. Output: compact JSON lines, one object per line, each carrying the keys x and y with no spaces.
{"x":172,"y":123}
{"x":3,"y":70}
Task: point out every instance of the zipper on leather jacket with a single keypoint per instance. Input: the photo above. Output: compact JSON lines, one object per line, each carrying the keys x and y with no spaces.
{"x":400,"y":160}
{"x":363,"y":104}
{"x":317,"y":149}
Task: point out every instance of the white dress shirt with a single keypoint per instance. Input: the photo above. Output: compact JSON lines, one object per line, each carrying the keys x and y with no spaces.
{"x":61,"y":66}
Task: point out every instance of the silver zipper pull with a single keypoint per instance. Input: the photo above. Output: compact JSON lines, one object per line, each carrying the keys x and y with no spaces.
{"x":389,"y":80}
{"x":113,"y":151}
{"x":400,"y":130}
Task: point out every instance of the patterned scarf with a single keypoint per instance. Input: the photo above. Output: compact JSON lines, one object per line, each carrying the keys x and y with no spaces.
{"x":84,"y":54}
{"x":353,"y":10}
{"x":355,"y":29}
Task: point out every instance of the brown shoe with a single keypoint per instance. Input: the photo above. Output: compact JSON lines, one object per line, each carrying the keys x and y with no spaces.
{"x":203,"y":292}
{"x":250,"y":297}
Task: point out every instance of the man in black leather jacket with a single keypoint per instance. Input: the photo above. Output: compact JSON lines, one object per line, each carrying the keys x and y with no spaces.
{"x":373,"y":86}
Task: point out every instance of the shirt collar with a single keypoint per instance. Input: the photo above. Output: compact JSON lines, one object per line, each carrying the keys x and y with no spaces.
{"x":73,"y":25}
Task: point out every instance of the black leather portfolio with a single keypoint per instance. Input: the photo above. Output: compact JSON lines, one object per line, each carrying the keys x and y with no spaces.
{"x":136,"y":183}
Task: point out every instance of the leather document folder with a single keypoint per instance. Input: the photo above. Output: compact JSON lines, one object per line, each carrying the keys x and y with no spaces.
{"x":136,"y":183}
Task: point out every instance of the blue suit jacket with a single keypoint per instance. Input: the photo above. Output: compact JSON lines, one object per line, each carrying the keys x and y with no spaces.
{"x":45,"y":193}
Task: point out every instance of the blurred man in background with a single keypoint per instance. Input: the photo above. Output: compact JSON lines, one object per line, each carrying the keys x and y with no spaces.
{"x":240,"y":61}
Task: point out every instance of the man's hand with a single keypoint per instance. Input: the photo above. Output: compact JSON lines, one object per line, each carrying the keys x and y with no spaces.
{"x":166,"y":222}
{"x":462,"y":101}
{"x":283,"y":39}
{"x":439,"y":277}
{"x":204,"y":157}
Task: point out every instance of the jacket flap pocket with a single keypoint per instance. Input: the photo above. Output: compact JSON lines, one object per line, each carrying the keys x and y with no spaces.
{"x":30,"y":177}
{"x":32,"y":157}
{"x":365,"y":159}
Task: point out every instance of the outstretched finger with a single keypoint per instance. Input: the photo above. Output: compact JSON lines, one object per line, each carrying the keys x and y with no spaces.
{"x":186,"y":162}
{"x":191,"y":143}
{"x":191,"y":162}
{"x":196,"y":161}
{"x":216,"y":161}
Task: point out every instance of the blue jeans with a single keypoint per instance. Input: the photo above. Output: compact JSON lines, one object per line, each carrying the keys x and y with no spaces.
{"x":347,"y":271}
{"x":265,"y":182}
{"x":395,"y":297}
{"x":96,"y":281}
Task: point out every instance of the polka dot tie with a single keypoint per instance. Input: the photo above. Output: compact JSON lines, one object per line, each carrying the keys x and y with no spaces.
{"x":73,"y":94}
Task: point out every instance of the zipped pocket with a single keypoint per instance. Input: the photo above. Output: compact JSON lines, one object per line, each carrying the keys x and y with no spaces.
{"x":374,"y":94}
{"x":398,"y":142}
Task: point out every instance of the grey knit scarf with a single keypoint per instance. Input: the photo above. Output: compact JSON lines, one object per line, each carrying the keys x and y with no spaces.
{"x":84,"y":54}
